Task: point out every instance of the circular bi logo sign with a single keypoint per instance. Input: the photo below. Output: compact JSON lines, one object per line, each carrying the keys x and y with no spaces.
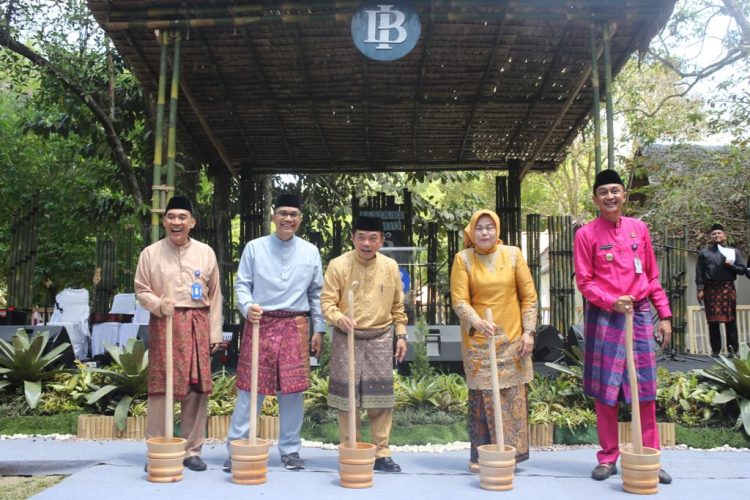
{"x":385,"y":31}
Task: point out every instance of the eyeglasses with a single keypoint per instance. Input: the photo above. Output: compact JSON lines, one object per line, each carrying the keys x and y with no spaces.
{"x":289,"y":215}
{"x":174,"y":217}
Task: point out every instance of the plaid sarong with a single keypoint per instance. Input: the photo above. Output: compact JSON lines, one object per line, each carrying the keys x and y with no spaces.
{"x":373,"y":366}
{"x":605,"y":370}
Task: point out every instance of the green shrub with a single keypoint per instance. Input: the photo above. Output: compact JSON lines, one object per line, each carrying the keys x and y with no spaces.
{"x":316,"y":396}
{"x":420,"y":368}
{"x":223,"y":394}
{"x":682,"y":398}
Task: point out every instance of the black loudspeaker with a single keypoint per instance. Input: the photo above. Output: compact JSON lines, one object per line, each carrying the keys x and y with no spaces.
{"x":574,"y":339}
{"x":13,"y":317}
{"x":548,"y":344}
{"x":7,"y":332}
{"x":58,"y":335}
{"x":143,"y":334}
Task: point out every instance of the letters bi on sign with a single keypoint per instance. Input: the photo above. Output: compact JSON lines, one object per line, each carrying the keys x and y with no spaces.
{"x":385,"y":31}
{"x":381,"y":23}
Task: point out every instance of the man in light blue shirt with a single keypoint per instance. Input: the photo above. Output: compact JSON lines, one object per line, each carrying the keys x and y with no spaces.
{"x":278,"y":285}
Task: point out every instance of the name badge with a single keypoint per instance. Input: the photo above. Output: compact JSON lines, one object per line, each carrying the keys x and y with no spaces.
{"x":196,"y":291}
{"x":638,"y":265}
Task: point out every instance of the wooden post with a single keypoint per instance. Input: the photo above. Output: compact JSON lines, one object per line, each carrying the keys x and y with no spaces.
{"x":254,"y":385}
{"x":169,"y":389}
{"x":635,"y":410}
{"x":496,"y":403}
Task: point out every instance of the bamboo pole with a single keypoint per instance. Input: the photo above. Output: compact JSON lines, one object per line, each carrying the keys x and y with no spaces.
{"x":496,"y":403}
{"x":169,"y":390}
{"x":352,"y":392}
{"x":254,"y":384}
{"x":172,"y":132}
{"x":156,"y":206}
{"x":597,"y":98}
{"x":607,"y":36}
{"x":635,"y":410}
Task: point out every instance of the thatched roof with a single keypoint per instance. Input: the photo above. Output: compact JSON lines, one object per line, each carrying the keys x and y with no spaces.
{"x":271,"y":87}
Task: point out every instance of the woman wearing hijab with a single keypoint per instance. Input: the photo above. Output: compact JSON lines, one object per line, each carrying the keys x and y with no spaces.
{"x":490,"y":275}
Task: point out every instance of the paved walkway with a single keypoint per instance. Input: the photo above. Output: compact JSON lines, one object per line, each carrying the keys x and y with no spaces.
{"x":110,"y":470}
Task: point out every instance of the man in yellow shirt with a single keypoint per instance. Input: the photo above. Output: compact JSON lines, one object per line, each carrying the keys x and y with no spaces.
{"x":379,"y":306}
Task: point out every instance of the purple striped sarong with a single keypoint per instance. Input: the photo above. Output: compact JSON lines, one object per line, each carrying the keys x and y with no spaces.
{"x":605,"y":369}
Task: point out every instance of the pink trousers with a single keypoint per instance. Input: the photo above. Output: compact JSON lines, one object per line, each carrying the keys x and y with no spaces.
{"x":606,"y":425}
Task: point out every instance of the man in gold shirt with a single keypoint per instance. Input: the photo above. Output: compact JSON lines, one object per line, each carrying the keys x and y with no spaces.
{"x":191,"y":268}
{"x":378,"y":306}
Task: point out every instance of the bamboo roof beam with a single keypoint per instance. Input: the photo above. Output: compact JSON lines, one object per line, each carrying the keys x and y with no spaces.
{"x":366,"y":105}
{"x":218,"y":146}
{"x":308,"y":91}
{"x":429,"y":25}
{"x":482,"y":81}
{"x":568,"y":103}
{"x":227,"y":102}
{"x":541,"y":90}
{"x":269,"y":98}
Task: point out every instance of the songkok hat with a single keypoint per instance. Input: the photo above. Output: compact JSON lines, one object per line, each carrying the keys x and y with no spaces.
{"x":607,"y":177}
{"x":179,"y":203}
{"x":364,"y":223}
{"x":715,"y":227}
{"x":288,"y":200}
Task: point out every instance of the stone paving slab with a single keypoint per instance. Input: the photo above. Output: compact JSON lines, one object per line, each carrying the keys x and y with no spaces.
{"x":114,"y":470}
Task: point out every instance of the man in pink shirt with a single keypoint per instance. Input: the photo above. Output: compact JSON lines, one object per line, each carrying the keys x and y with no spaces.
{"x":616,"y":272}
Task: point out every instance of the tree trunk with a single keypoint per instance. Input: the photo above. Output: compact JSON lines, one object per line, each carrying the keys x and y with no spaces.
{"x":100,"y":113}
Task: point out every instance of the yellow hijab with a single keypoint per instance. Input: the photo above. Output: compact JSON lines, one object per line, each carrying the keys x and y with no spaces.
{"x":469,"y":230}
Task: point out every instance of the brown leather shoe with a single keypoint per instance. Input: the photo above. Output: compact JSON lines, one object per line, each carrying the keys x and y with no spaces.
{"x":474,"y":467}
{"x":603,"y":471}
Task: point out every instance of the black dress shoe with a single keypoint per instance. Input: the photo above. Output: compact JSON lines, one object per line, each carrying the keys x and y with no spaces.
{"x":603,"y":471}
{"x":195,"y":463}
{"x":386,"y":464}
{"x":228,"y":465}
{"x":664,"y":478}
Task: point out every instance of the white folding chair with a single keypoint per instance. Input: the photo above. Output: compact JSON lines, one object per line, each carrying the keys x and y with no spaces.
{"x":72,"y":312}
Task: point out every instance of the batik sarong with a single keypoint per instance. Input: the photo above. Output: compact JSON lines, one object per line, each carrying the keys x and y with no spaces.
{"x":720,"y":301}
{"x":191,"y":353}
{"x":283,"y":354}
{"x":515,"y":420}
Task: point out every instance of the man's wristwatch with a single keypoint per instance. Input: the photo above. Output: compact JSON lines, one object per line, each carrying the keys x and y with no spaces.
{"x":400,"y":336}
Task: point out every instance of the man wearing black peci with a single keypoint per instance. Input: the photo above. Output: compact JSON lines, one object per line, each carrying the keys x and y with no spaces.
{"x":715,"y":273}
